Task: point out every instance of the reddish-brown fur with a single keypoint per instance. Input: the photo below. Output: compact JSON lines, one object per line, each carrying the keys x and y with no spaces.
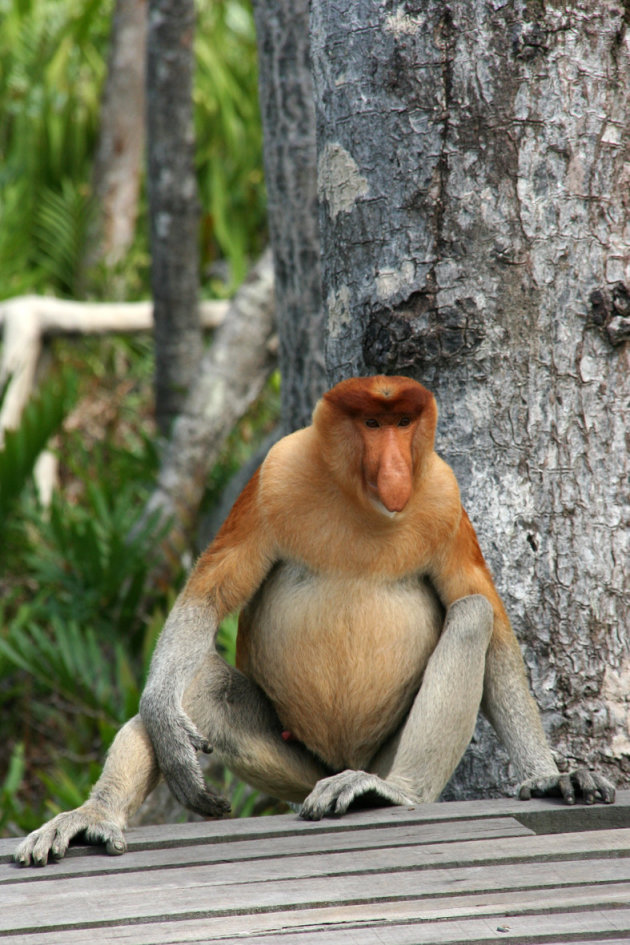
{"x":363,"y":396}
{"x":327,"y":575}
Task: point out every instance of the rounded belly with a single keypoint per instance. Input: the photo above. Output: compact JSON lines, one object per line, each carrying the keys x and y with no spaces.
{"x":341,"y":659}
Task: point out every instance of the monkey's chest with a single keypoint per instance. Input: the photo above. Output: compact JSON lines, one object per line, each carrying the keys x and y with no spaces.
{"x":340,"y":658}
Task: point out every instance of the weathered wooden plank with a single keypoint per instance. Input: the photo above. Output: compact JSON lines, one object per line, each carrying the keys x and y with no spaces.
{"x":503,"y":906}
{"x":363,"y":879}
{"x":599,"y":816}
{"x":206,"y":891}
{"x":524,"y":929}
{"x":284,"y":857}
{"x":311,"y":928}
{"x":198,"y":931}
{"x":276,"y":847}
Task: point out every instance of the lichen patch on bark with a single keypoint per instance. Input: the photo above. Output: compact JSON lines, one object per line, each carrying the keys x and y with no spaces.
{"x":402,"y":23}
{"x":340,"y":182}
{"x":339,"y":315}
{"x":390,"y":282}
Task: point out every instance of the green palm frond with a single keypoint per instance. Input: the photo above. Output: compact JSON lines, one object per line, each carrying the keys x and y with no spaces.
{"x":60,"y":231}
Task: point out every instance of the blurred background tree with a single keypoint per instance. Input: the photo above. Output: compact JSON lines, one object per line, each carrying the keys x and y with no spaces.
{"x":80,"y":604}
{"x":53,"y":68}
{"x":119,"y":157}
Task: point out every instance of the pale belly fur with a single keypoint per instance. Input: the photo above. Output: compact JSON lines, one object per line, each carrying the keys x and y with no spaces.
{"x":341,"y":658}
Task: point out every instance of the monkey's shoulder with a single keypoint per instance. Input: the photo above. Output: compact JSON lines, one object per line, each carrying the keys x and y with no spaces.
{"x":292,"y":464}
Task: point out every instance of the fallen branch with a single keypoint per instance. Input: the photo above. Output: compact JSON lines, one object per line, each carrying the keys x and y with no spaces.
{"x":28,"y":319}
{"x":232,"y":374}
{"x":66,"y":317}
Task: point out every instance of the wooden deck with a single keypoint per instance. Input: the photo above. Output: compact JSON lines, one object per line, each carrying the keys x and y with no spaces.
{"x":440,"y":873}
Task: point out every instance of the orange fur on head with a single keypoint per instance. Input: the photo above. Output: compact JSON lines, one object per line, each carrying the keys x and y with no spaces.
{"x":365,"y":396}
{"x":374,"y":433}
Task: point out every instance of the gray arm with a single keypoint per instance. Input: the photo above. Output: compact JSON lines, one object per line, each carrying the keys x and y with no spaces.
{"x":184,"y":645}
{"x":416,"y":763}
{"x":513,"y":713}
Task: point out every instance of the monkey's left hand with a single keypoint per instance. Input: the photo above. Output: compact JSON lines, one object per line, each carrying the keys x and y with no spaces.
{"x":176,"y":741}
{"x":335,"y":794}
{"x":591,"y":787}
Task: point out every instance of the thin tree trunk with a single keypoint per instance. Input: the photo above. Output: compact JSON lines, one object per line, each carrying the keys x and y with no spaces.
{"x":173,"y":203}
{"x":119,"y":155}
{"x":288,"y":115}
{"x":232,"y":374}
{"x":473,"y":167}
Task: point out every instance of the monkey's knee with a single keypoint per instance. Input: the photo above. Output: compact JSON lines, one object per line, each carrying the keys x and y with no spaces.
{"x":472,"y":619}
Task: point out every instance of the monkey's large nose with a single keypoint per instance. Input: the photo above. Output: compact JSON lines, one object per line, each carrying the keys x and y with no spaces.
{"x":394,"y":484}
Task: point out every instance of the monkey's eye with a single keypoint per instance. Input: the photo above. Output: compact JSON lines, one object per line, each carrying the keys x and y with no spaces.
{"x":404,"y":421}
{"x":372,"y":423}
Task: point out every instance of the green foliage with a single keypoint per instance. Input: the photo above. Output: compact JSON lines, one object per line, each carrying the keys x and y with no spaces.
{"x":52,"y":66}
{"x":81,"y":610}
{"x":229,"y":137}
{"x":60,"y":230}
{"x":79,"y":628}
{"x":9,"y":803}
{"x":67,"y":660}
{"x":80,"y":607}
{"x":226,"y":639}
{"x":85,"y":553}
{"x":41,"y":418}
{"x":53,"y":60}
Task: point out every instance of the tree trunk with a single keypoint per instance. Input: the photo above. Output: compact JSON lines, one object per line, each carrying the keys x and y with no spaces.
{"x":173,"y":203}
{"x":288,"y":115}
{"x":473,"y":172}
{"x":232,"y":374}
{"x":119,"y":155}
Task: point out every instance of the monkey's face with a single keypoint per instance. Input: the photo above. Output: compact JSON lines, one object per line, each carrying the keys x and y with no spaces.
{"x":374,"y":433}
{"x":387,"y":462}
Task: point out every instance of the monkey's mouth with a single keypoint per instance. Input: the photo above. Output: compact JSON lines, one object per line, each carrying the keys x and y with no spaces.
{"x":378,"y":505}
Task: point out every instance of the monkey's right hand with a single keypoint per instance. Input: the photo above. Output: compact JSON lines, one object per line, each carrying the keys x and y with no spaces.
{"x":176,"y":741}
{"x":54,"y":837}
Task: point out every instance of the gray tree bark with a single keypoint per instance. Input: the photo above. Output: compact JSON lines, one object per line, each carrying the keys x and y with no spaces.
{"x":119,"y":155}
{"x":473,"y":172}
{"x":288,"y":116}
{"x":173,"y":203}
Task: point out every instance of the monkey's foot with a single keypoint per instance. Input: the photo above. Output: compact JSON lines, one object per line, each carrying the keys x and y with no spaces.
{"x":54,"y":837}
{"x":334,"y":795}
{"x":589,"y":786}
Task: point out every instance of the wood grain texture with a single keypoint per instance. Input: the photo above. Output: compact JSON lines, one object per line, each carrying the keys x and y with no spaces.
{"x":392,"y":875}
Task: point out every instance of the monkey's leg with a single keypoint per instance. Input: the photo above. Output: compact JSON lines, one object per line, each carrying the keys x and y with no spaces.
{"x":415,"y":765}
{"x":236,"y":717}
{"x":129,"y":775}
{"x":241,"y":724}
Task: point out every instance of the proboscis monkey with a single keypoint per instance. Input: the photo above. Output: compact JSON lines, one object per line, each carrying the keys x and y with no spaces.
{"x":370,"y":634}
